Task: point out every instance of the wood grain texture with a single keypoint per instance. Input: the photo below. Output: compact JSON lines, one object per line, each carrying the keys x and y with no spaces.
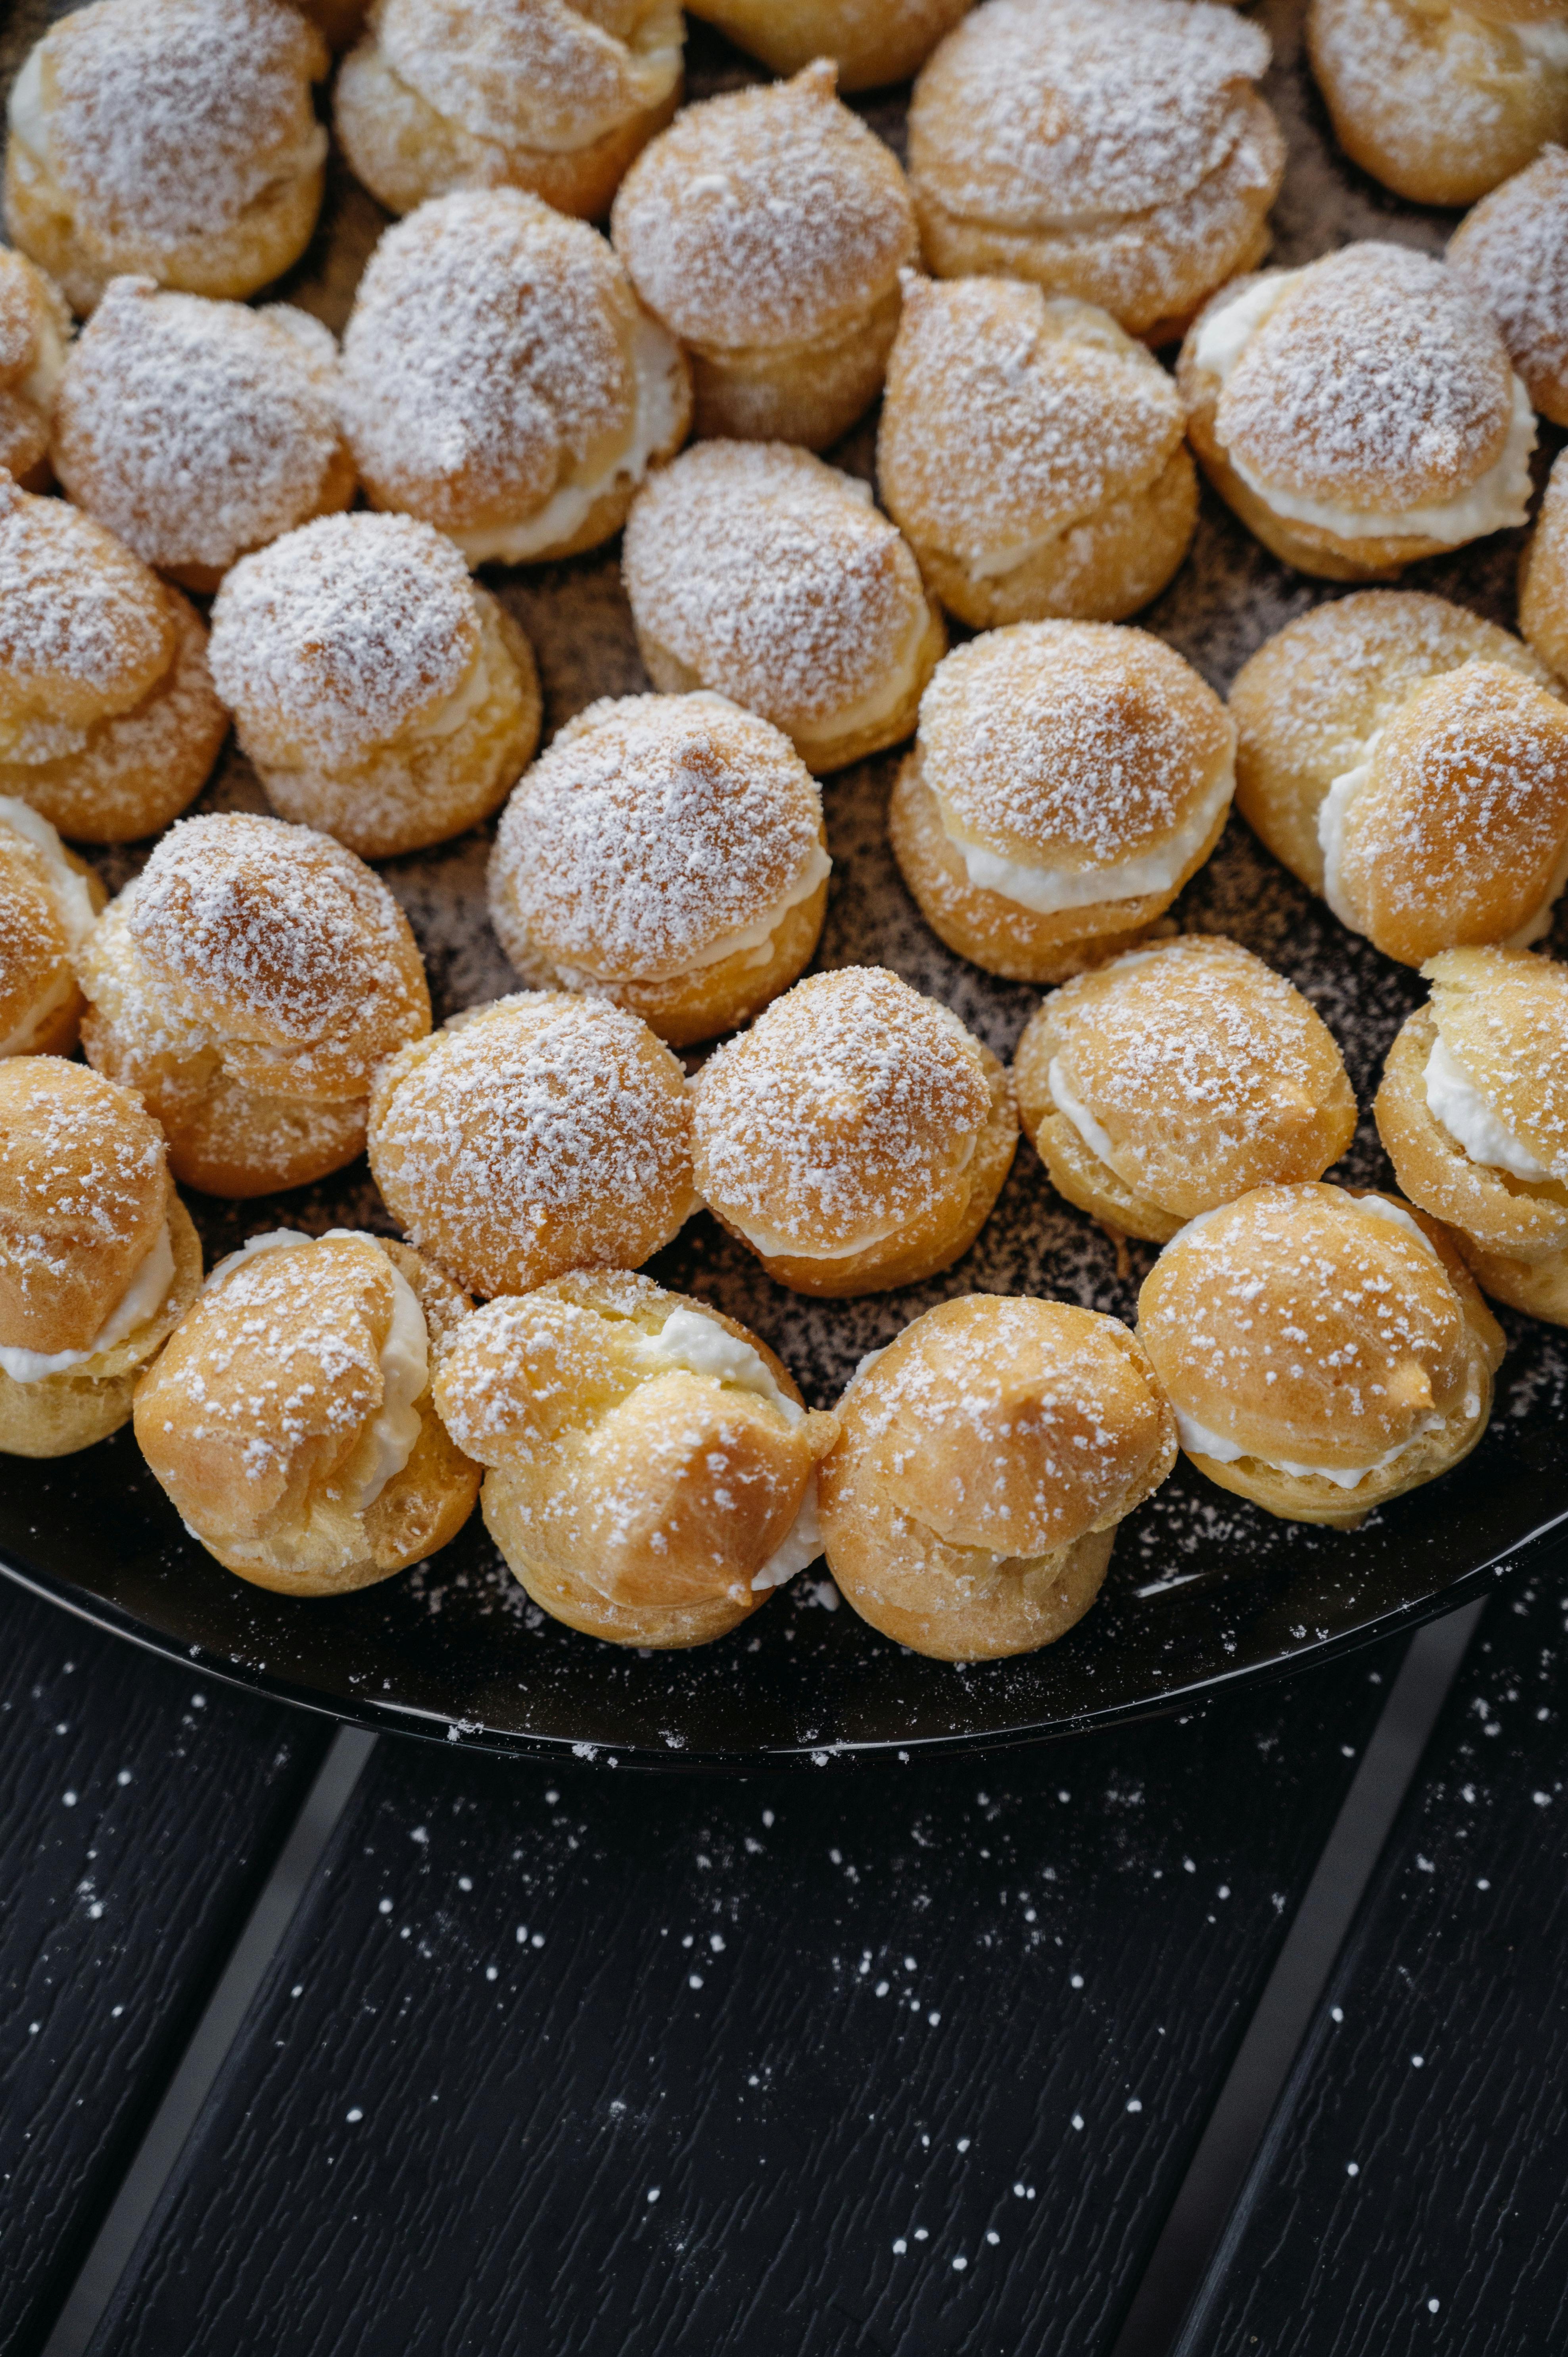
{"x":585,"y":2063}
{"x":1412,"y":2194}
{"x":138,"y":1812}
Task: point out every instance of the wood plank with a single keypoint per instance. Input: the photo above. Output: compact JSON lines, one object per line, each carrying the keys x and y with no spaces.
{"x":139,"y":1810}
{"x":907,"y":2060}
{"x":1413,"y":2191}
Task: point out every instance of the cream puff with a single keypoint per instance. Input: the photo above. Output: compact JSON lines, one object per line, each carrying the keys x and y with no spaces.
{"x":1473,"y":1111}
{"x":1324,"y":1350}
{"x":380,"y":695}
{"x":1512,"y":253}
{"x":108,"y":722}
{"x":1067,"y":780}
{"x":872,"y":42}
{"x":535,"y":94}
{"x":651,"y":1466}
{"x":539,"y":1134}
{"x":173,"y":138}
{"x":984,"y":1461}
{"x":855,"y":1138}
{"x":198,"y":430}
{"x":755,"y":569}
{"x":666,"y":853}
{"x":98,"y":1258}
{"x":49,"y":901}
{"x":766,"y":229}
{"x":290,"y":1417}
{"x":1359,"y":412}
{"x":1438,"y":101}
{"x":35,"y":335}
{"x":1543,"y":576}
{"x":1114,"y":150}
{"x":248,"y":982}
{"x":502,"y":381}
{"x":1177,"y":1078}
{"x":1032,"y":454}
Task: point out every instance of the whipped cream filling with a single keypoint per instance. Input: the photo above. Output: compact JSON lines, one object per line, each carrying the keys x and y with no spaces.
{"x":773,"y":1245}
{"x":870,"y":710}
{"x":73,"y":905}
{"x":1077,"y":1112}
{"x":1047,"y":890}
{"x":29,"y":122}
{"x":141,"y":1299}
{"x":658,"y":367}
{"x":1458,"y":1107}
{"x":472,"y":692}
{"x":42,"y":381}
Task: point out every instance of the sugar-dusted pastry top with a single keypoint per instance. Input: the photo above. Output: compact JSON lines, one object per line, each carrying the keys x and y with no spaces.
{"x":1502,"y":1016}
{"x":84,"y":1193}
{"x":35,"y":333}
{"x":1512,"y":252}
{"x":517,"y":74}
{"x":84,"y":627}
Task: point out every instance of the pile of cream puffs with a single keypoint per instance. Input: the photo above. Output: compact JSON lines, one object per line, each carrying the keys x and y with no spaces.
{"x":595,"y":311}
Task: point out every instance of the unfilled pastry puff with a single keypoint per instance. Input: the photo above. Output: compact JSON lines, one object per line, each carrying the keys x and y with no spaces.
{"x":555,"y":96}
{"x":1543,"y":576}
{"x":176,"y":138}
{"x":652,"y":1465}
{"x":1472,"y":1111}
{"x":1115,"y":150}
{"x":1067,"y":780}
{"x":1176,"y":1078}
{"x":985,"y":1459}
{"x":1441,"y":102}
{"x":1408,"y":761}
{"x":1512,"y":253}
{"x":855,"y":1138}
{"x":108,"y":722}
{"x":35,"y":335}
{"x":767,"y":229}
{"x":872,"y":42}
{"x":1359,"y":412}
{"x":49,"y":901}
{"x":98,"y":1258}
{"x":502,"y":381}
{"x":290,"y":1416}
{"x":382,"y":696}
{"x":198,"y":430}
{"x":1032,"y":453}
{"x":539,"y":1134}
{"x":248,"y":982}
{"x":755,"y":569}
{"x":1324,"y":1350}
{"x":667,"y":853}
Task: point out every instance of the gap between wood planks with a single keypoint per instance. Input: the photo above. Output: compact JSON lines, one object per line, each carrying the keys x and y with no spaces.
{"x":1214,"y":2179}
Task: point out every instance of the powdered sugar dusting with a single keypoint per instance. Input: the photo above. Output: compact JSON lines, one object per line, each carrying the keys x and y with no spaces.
{"x":521,"y":75}
{"x":73,"y":607}
{"x":82,"y":1186}
{"x":1512,"y":253}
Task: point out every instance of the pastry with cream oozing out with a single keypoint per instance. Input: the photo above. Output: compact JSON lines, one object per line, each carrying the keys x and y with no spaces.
{"x":1324,"y":1350}
{"x":1066,"y":781}
{"x":1176,"y":1078}
{"x":1543,"y":576}
{"x":1472,"y":1111}
{"x":49,"y":902}
{"x":34,"y":336}
{"x":1359,"y":413}
{"x":652,"y":1465}
{"x":98,"y":1256}
{"x":290,"y":1417}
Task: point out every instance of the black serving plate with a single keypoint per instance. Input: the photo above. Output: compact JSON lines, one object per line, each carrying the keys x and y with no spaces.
{"x":1204,"y":1589}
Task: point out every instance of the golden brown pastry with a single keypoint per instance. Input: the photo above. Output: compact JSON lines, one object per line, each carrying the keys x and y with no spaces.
{"x":1512,"y":253}
{"x":666,"y":853}
{"x":502,"y":381}
{"x":1441,"y":102}
{"x":652,"y":1465}
{"x":198,"y":430}
{"x":1359,"y":412}
{"x":872,"y":42}
{"x":290,"y":1416}
{"x":49,"y":901}
{"x":1001,"y":819}
{"x":248,"y":984}
{"x":855,"y":1138}
{"x":766,"y":229}
{"x":35,"y":335}
{"x":340,"y":22}
{"x":174,"y":138}
{"x":1473,"y":1111}
{"x":1324,"y":1350}
{"x":554,"y":96}
{"x":536,"y":1135}
{"x":985,"y":1458}
{"x":1176,"y":1078}
{"x":755,"y":569}
{"x":1114,"y":150}
{"x":98,"y":1258}
{"x":381,"y":695}
{"x":1032,"y":454}
{"x":109,"y":722}
{"x":1543,"y":578}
